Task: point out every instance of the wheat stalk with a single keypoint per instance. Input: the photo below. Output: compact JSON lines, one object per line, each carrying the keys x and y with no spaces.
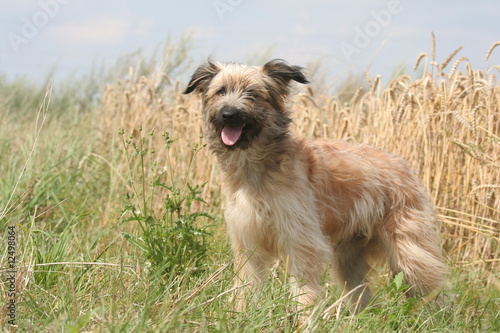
{"x":456,"y":64}
{"x":451,"y":56}
{"x":462,"y":120}
{"x":492,"y":47}
{"x":419,"y":58}
{"x":376,"y":83}
{"x":433,"y":47}
{"x":356,"y":96}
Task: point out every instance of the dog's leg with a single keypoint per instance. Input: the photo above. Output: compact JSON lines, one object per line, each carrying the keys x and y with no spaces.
{"x":350,"y":267}
{"x":252,"y":268}
{"x":305,"y":271}
{"x":304,"y":249}
{"x":413,"y":249}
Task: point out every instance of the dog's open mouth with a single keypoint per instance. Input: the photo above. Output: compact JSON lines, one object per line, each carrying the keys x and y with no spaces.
{"x":231,"y":134}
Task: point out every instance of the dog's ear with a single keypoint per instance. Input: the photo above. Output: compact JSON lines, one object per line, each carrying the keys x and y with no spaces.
{"x":202,"y":77}
{"x":282,"y":72}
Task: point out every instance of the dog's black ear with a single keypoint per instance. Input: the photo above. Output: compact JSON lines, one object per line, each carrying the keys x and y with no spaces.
{"x":202,"y":77}
{"x":282,"y":72}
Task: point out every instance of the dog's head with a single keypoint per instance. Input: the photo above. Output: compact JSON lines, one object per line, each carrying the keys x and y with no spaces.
{"x":243,"y":104}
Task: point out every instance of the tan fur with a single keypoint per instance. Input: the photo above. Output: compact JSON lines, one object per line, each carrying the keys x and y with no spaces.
{"x":311,"y":203}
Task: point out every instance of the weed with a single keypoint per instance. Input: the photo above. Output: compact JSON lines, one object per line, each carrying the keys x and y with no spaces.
{"x":171,"y":240}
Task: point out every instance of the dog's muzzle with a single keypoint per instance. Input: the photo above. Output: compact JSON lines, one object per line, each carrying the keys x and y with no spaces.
{"x":233,"y":124}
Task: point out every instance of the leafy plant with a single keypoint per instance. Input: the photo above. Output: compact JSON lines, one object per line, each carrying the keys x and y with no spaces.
{"x":171,"y":240}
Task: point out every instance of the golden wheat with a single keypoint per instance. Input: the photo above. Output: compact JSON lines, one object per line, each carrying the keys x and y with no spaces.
{"x":447,"y":60}
{"x":492,"y":47}
{"x":455,"y":65}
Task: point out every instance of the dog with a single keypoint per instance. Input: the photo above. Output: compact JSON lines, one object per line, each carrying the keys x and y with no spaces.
{"x":310,"y":203}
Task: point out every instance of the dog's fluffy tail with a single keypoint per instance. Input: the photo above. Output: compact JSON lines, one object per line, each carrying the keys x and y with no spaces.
{"x":415,"y":250}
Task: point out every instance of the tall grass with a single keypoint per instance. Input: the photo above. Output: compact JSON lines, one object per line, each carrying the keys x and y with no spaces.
{"x":81,"y":268}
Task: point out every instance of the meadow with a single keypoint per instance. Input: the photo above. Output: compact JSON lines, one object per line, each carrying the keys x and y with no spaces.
{"x":113,"y":203}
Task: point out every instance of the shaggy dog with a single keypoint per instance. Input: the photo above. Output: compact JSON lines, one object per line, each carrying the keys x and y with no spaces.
{"x":310,"y":203}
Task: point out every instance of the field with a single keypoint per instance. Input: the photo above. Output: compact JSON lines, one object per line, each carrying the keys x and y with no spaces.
{"x":111,"y":203}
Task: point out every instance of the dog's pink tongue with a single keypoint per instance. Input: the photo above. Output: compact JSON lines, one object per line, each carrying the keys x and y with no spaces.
{"x":231,"y":134}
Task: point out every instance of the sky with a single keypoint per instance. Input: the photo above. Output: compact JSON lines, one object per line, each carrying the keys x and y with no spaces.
{"x":346,"y":37}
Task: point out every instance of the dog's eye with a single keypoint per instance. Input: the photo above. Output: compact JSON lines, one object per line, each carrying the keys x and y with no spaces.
{"x":251,"y":94}
{"x":221,"y":91}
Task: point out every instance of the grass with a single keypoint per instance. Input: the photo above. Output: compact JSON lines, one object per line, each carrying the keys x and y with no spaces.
{"x":121,"y":229}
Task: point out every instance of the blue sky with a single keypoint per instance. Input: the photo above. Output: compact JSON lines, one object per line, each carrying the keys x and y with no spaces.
{"x":346,"y":36}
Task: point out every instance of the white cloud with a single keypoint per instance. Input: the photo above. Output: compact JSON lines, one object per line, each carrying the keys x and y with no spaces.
{"x":92,"y":31}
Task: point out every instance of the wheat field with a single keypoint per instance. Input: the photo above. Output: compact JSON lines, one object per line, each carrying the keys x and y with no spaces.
{"x":67,"y":178}
{"x":446,"y":124}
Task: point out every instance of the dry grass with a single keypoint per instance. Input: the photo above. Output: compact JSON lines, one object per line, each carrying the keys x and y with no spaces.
{"x":446,"y":125}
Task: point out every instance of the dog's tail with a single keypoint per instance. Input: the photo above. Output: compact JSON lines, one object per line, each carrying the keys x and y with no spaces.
{"x":416,"y":251}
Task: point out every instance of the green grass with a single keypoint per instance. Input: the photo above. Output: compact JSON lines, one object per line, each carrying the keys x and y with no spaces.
{"x":77,"y":273}
{"x":114,"y":235}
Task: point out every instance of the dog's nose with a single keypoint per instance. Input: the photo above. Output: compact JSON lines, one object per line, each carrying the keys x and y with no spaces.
{"x":230,"y":115}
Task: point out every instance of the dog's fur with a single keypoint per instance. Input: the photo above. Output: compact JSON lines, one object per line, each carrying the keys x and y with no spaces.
{"x":311,"y":202}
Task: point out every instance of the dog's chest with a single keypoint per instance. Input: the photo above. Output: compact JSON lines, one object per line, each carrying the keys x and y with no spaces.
{"x":248,"y":209}
{"x":270,"y":214}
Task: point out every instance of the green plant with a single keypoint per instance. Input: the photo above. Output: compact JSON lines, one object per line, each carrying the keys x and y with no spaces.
{"x":400,"y":312}
{"x":171,"y":239}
